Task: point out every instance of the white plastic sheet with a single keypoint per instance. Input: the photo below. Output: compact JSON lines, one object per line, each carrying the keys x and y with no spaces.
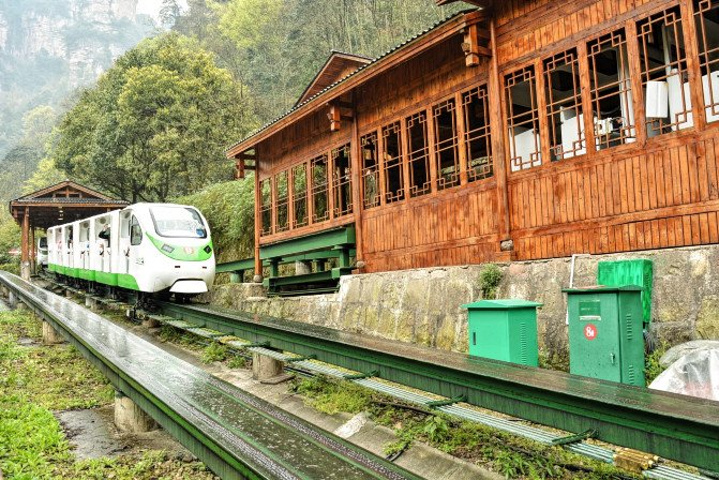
{"x":695,"y":374}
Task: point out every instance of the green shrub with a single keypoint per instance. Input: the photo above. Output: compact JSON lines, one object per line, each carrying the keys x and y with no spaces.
{"x":489,"y":279}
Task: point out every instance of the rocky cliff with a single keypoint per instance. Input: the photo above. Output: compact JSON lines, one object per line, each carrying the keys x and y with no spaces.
{"x":50,"y":47}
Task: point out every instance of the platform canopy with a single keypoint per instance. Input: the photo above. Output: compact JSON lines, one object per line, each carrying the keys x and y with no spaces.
{"x":54,"y":205}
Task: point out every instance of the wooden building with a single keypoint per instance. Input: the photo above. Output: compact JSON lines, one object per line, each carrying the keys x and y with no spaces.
{"x":525,"y":129}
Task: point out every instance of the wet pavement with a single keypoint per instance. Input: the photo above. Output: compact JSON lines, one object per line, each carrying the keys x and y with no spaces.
{"x":275,"y":444}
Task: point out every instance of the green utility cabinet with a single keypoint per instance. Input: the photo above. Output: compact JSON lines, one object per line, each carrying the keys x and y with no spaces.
{"x":605,"y":333}
{"x":504,"y":330}
{"x":630,"y":272}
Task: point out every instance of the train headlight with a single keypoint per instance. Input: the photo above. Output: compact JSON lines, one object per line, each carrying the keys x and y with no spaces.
{"x":189,"y":250}
{"x":167,"y":248}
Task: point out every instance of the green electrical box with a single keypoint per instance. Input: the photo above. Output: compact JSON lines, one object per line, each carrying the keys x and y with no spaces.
{"x":630,"y":272}
{"x":605,"y":333}
{"x":504,"y":330}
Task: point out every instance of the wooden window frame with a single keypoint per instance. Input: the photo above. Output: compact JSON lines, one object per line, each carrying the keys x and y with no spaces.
{"x":444,"y":145}
{"x":659,"y":82}
{"x":281,"y":205}
{"x":604,"y":128}
{"x":266,"y":207}
{"x":419,"y":155}
{"x":320,"y":188}
{"x":478,"y":170}
{"x":391,"y":163}
{"x":567,"y":111}
{"x":299,"y":197}
{"x":707,"y":58}
{"x":369,"y":147}
{"x":521,"y":120}
{"x":342,"y":182}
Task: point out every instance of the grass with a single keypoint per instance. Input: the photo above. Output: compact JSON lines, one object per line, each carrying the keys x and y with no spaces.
{"x":34,"y":381}
{"x":511,"y":456}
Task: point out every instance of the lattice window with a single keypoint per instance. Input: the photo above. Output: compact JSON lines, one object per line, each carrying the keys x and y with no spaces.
{"x":478,"y":138}
{"x":283,"y":212}
{"x":418,"y":155}
{"x":299,"y":195}
{"x":392,"y":164}
{"x":707,"y":21}
{"x":370,"y":170}
{"x":266,"y":205}
{"x":523,"y":119}
{"x":664,"y":73}
{"x":445,"y":144}
{"x":564,"y":106}
{"x":321,"y":211}
{"x":610,"y":89}
{"x":342,"y":180}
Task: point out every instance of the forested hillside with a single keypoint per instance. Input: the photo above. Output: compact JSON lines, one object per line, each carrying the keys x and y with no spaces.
{"x":154,"y":126}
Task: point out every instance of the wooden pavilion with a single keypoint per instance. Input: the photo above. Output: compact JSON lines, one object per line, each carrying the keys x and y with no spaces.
{"x":60,"y":203}
{"x":524,"y":129}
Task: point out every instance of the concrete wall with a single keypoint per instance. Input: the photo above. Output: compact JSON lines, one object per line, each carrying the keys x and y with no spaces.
{"x":423,"y":306}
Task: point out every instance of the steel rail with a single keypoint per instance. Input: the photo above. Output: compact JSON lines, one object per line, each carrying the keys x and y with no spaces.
{"x":203,"y":413}
{"x":677,"y":427}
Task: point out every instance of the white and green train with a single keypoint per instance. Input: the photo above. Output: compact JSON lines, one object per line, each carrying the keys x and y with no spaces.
{"x":146,"y":247}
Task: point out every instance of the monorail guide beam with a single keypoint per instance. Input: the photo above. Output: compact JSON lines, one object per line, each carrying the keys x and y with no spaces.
{"x":209,"y":417}
{"x":677,"y":427}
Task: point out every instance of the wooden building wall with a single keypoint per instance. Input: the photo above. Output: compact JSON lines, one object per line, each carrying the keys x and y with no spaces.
{"x":651,"y":193}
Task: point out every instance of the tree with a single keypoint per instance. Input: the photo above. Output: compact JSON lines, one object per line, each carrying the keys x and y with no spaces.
{"x":156,"y":124}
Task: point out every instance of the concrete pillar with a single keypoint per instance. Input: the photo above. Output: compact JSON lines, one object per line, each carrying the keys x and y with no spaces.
{"x":264,"y":367}
{"x":148,"y":322}
{"x":130,"y":418}
{"x":303,"y":267}
{"x":50,"y":336}
{"x":25,"y":271}
{"x":91,"y":303}
{"x":11,"y":299}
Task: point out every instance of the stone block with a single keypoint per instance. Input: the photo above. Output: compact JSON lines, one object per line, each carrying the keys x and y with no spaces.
{"x":50,"y":336}
{"x":264,"y":367}
{"x":130,"y":418}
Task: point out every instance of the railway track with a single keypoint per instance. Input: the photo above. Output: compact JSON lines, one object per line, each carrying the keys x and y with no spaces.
{"x":676,"y":427}
{"x":681,"y":428}
{"x":236,"y":434}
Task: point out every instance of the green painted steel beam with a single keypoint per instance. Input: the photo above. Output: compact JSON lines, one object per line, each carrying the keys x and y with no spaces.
{"x":324,"y":240}
{"x":245,"y":264}
{"x":677,"y":427}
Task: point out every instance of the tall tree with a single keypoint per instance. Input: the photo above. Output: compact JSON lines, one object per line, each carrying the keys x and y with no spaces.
{"x":156,"y":124}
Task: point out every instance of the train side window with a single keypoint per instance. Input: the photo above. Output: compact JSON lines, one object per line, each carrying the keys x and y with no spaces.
{"x":135,"y":232}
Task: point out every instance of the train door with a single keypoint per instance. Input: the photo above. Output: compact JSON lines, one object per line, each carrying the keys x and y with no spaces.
{"x":125,"y":261}
{"x":84,"y":245}
{"x":104,"y":244}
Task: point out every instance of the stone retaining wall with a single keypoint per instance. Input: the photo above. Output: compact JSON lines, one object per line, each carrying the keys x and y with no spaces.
{"x":423,"y":306}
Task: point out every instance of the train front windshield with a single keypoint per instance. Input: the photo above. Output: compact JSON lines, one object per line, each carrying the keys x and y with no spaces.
{"x":178,"y":222}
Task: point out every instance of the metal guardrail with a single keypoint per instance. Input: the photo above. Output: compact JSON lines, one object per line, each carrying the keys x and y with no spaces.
{"x":237,"y":435}
{"x":677,"y":427}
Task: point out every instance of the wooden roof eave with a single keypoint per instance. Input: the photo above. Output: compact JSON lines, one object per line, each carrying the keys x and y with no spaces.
{"x":382,"y":65}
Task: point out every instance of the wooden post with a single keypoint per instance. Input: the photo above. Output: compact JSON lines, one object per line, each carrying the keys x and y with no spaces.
{"x":25,"y":248}
{"x":33,"y":252}
{"x":498,"y":141}
{"x":461,"y":137}
{"x":258,"y":219}
{"x":431,"y":151}
{"x":356,"y":171}
{"x":585,"y":87}
{"x":695,"y":75}
{"x":635,"y":77}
